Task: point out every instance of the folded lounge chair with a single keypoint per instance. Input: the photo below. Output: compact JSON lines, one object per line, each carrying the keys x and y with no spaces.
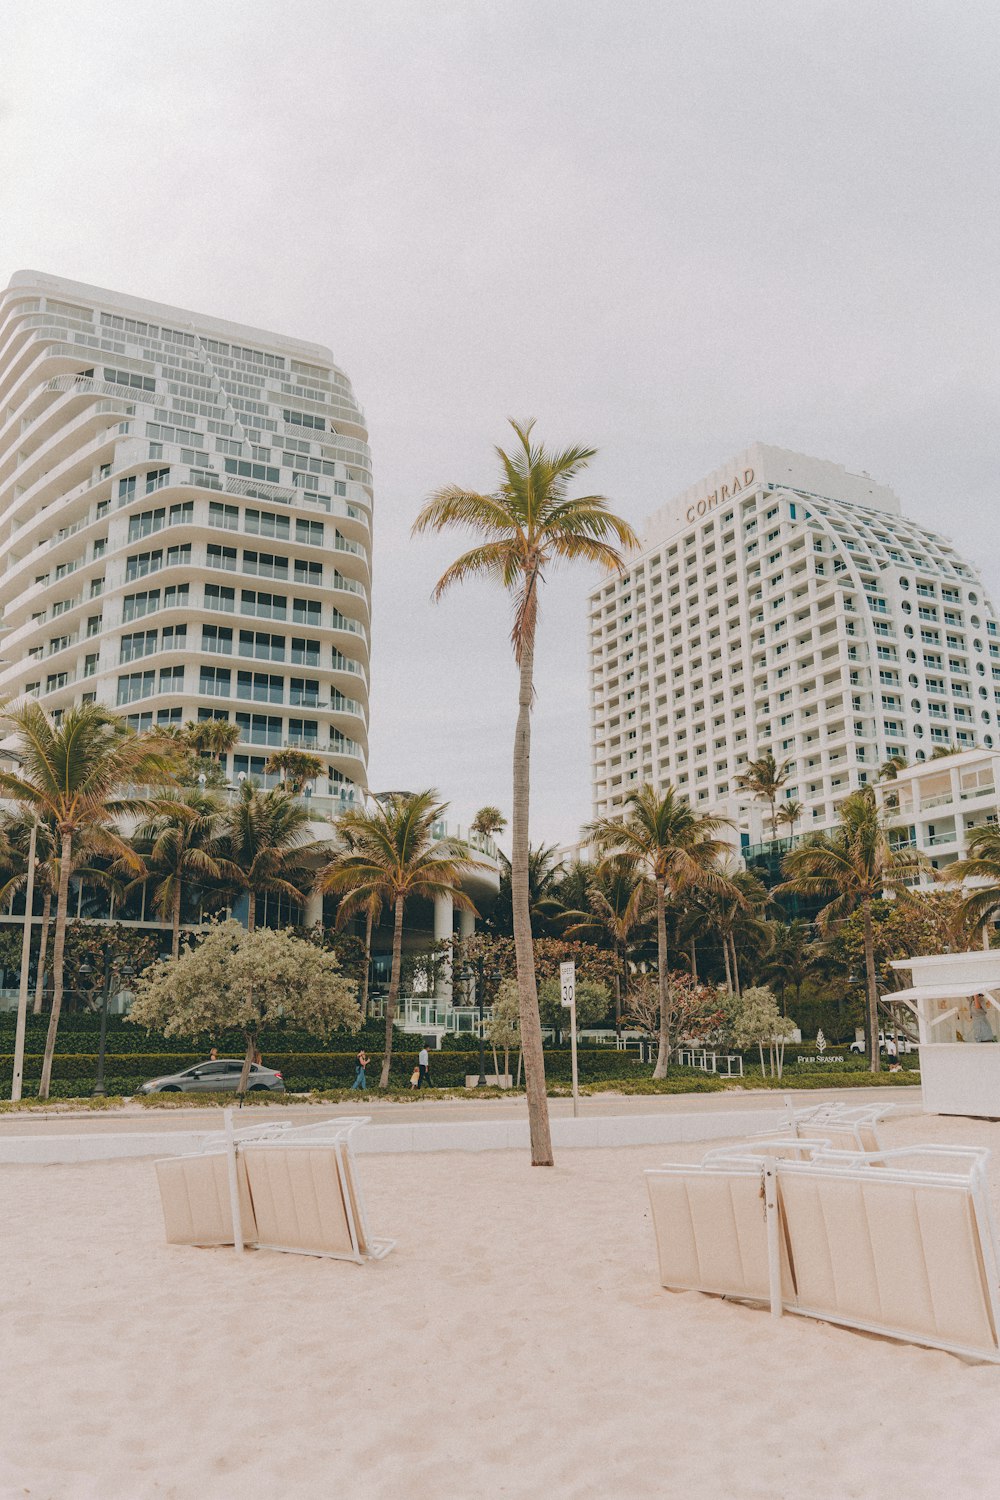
{"x":908,"y":1251}
{"x":278,"y":1189}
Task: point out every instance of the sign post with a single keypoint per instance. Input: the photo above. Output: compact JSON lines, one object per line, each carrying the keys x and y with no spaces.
{"x":567,"y":987}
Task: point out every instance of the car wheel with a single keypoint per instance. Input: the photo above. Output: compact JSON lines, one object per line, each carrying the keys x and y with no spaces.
{"x":170,"y":1088}
{"x":255,"y":1088}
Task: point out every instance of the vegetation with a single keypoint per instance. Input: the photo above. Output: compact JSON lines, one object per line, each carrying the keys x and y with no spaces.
{"x":764,"y":779}
{"x":524,"y":528}
{"x":248,"y":980}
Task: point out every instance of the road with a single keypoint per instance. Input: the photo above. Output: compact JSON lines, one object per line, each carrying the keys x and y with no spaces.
{"x":388,"y":1112}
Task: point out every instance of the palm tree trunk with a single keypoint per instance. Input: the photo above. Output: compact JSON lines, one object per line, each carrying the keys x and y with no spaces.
{"x":694,"y":958}
{"x":58,"y":950}
{"x":390,"y":1004}
{"x":729,"y":970}
{"x":175,"y":917}
{"x":736,"y":968}
{"x":527,"y":993}
{"x":43,"y":948}
{"x":663,"y":1051}
{"x":369,"y":919}
{"x":251,"y":910}
{"x":873,"y":1052}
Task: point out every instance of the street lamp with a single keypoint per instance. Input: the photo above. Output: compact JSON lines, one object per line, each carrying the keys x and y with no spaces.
{"x":86,"y":970}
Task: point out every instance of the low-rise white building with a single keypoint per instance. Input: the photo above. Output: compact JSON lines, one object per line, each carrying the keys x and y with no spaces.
{"x":936,"y":804}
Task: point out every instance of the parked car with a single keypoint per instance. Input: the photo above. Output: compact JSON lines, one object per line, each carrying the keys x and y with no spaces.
{"x":213,"y":1077}
{"x":903,"y":1043}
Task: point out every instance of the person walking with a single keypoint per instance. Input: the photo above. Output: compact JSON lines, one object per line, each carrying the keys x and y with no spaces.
{"x":423,"y":1064}
{"x":360,"y":1064}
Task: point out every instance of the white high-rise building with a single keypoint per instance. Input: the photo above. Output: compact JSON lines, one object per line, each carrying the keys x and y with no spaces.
{"x":786,"y":604}
{"x":185,"y":524}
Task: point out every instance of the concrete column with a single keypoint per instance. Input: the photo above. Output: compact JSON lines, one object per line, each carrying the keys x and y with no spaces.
{"x":314,"y":909}
{"x":466,"y":924}
{"x":444,"y":916}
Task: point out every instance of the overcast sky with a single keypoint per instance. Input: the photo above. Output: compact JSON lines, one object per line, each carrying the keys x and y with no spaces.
{"x":663,"y":229}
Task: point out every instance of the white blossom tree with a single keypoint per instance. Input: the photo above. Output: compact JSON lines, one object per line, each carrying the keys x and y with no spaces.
{"x":246,"y":981}
{"x":755,"y":1020}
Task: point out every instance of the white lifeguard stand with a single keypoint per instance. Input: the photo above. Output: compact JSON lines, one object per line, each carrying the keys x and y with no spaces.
{"x":959,"y":1068}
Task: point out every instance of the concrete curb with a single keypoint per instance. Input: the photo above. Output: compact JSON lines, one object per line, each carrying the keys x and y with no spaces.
{"x":481,"y":1135}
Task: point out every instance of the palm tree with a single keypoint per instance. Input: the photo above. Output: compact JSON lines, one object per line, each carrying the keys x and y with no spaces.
{"x":981,"y":863}
{"x":295,"y":767}
{"x":212,"y":737}
{"x":890,"y":769}
{"x":488,"y":821}
{"x":676,"y":848}
{"x":80,"y":775}
{"x":855,"y":864}
{"x":265,"y":837}
{"x":525,"y":527}
{"x":621,"y":903}
{"x":182,"y":845}
{"x":390,"y":855}
{"x":763,"y":779}
{"x":790,"y":813}
{"x":735,"y":911}
{"x":545,"y":906}
{"x":794,"y":957}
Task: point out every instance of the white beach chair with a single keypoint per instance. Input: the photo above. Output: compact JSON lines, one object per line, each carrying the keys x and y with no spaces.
{"x":197,"y":1202}
{"x":908,"y":1251}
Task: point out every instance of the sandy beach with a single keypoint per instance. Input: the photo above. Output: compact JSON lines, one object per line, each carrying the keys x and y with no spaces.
{"x":515,"y":1344}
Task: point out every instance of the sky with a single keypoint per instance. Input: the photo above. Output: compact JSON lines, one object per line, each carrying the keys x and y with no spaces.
{"x":664,"y":230}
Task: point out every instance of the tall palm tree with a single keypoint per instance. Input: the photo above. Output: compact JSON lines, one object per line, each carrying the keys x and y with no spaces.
{"x":794,"y":956}
{"x":525,"y":527}
{"x":266,"y":839}
{"x":855,"y":864}
{"x":620,"y":904}
{"x":763,"y":779}
{"x":390,"y":855}
{"x":736,"y":915}
{"x":295,"y":767}
{"x":890,"y":769}
{"x":676,"y":848}
{"x":181,"y":845}
{"x":789,"y":814}
{"x":545,"y":906}
{"x":80,"y":775}
{"x":489,"y":820}
{"x":981,"y":863}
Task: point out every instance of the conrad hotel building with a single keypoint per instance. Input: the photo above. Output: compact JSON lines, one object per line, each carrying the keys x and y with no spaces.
{"x":786,"y":604}
{"x":185,"y":525}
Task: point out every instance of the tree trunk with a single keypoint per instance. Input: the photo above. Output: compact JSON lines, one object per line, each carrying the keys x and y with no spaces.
{"x":618,"y":1006}
{"x":369,"y":920}
{"x":390,"y":1004}
{"x":247,"y":1060}
{"x":58,"y":950}
{"x":873,"y":1052}
{"x":175,"y":922}
{"x":663,"y":1050}
{"x":527,"y":993}
{"x":736,"y":968}
{"x":729,"y":971}
{"x":251,"y":910}
{"x":694,"y":958}
{"x":43,"y":948}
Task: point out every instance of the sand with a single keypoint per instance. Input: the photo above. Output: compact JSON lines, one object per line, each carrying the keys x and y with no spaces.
{"x":515,"y":1344}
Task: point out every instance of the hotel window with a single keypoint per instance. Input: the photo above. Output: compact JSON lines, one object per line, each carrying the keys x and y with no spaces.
{"x":309,"y":531}
{"x":262,"y":644}
{"x":142,"y":643}
{"x":156,"y":479}
{"x":263,"y":687}
{"x":265,"y":564}
{"x":303,"y":732}
{"x":223,"y":517}
{"x":134,"y":686}
{"x":222,"y":557}
{"x":304,"y":693}
{"x":172,"y":679}
{"x":309,"y":573}
{"x":260,"y":729}
{"x":305,"y":653}
{"x":218,"y":597}
{"x":218,"y":639}
{"x":266,"y":606}
{"x":262,"y":523}
{"x":174,"y":638}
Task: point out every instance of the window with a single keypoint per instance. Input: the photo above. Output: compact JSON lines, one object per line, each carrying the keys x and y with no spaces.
{"x":126,"y":490}
{"x":266,"y":564}
{"x":125,"y":377}
{"x":134,"y":686}
{"x":304,"y":419}
{"x":172,"y":679}
{"x":90,"y":664}
{"x":263,"y":687}
{"x":218,"y":597}
{"x":252,"y":471}
{"x":304,"y":692}
{"x":222,"y":557}
{"x":266,"y":606}
{"x":306,"y":612}
{"x":262,"y":644}
{"x":260,"y":729}
{"x":309,"y":573}
{"x":179,"y":556}
{"x":305,"y":653}
{"x":156,"y":479}
{"x":303,"y":732}
{"x":141,"y":643}
{"x":146,"y":522}
{"x":142,"y":563}
{"x":217,"y":638}
{"x":215,"y":681}
{"x":55,"y":680}
{"x":262,"y":523}
{"x":94,"y":625}
{"x":309,"y":531}
{"x":174,"y":638}
{"x":224,"y":517}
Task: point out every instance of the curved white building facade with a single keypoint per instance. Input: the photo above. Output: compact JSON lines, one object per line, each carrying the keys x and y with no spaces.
{"x":185,"y":525}
{"x":786,"y":604}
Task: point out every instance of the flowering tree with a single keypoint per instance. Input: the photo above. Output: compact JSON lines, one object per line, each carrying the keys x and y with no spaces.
{"x":754,"y":1020}
{"x":246,"y":980}
{"x":694,"y":1009}
{"x":503,"y":1029}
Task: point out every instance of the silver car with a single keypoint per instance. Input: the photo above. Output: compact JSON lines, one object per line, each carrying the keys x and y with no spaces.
{"x":213,"y":1077}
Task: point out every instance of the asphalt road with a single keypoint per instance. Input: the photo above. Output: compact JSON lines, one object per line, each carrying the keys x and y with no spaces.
{"x":389,"y":1112}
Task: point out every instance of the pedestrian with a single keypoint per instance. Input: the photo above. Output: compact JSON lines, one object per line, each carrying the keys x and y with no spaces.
{"x":982,"y":1031}
{"x":415,"y":1078}
{"x":257,"y":1057}
{"x":213,"y":1056}
{"x":360,"y":1064}
{"x":423,"y":1069}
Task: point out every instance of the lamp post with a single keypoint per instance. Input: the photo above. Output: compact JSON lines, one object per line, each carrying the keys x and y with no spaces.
{"x":86,"y":969}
